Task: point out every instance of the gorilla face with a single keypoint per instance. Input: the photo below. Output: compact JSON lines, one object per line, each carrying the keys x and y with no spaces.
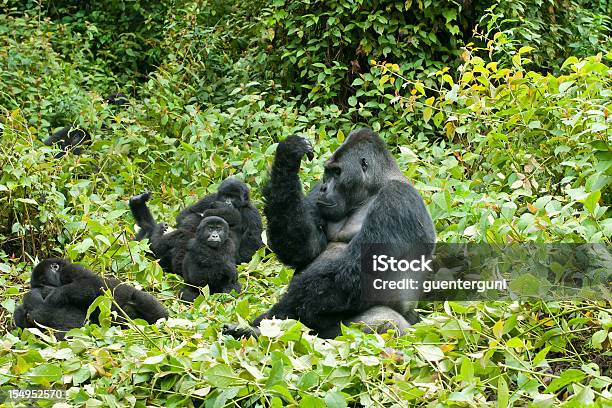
{"x":47,"y":273}
{"x":233,"y":192}
{"x":213,"y":231}
{"x":348,"y":179}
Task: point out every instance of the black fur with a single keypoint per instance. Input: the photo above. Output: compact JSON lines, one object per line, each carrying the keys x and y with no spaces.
{"x":211,"y":255}
{"x":61,"y":292}
{"x":170,"y":247}
{"x":363,"y":198}
{"x":118,"y":99}
{"x":142,"y":215}
{"x":33,"y":312}
{"x":248,"y":230}
{"x":69,"y":138}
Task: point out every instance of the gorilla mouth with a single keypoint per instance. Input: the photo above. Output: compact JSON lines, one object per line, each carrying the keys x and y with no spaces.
{"x":326,"y":204}
{"x":214,"y":239}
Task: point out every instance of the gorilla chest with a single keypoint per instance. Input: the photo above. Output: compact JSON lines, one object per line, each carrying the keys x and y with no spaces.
{"x":340,"y":233}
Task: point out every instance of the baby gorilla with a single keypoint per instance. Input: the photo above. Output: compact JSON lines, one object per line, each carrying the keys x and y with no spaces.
{"x":210,"y":259}
{"x":62,"y":292}
{"x":171,"y":247}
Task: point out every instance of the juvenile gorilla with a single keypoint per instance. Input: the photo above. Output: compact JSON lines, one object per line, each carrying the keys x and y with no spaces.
{"x":171,"y":247}
{"x":210,"y":258}
{"x":231,"y":191}
{"x":33,"y":312}
{"x":68,"y":138}
{"x":62,"y":292}
{"x":363,"y":199}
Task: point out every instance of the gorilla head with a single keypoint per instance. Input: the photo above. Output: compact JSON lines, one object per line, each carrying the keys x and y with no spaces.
{"x":47,"y":273}
{"x":234,"y":192}
{"x":355,"y":173}
{"x":213,"y":231}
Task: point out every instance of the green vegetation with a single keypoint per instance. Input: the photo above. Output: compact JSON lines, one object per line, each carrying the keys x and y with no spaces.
{"x":500,"y":112}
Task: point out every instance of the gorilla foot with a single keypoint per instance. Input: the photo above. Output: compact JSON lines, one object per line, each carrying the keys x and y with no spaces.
{"x":237,"y":331}
{"x":189,"y":294}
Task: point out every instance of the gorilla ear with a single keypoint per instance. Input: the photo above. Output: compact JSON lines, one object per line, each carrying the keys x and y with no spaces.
{"x":364,"y":164}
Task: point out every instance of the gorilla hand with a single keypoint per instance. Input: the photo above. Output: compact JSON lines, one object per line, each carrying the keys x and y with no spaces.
{"x":141,"y":198}
{"x":291,"y":150}
{"x":237,"y":331}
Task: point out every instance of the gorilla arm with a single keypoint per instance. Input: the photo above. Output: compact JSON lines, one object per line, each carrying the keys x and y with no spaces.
{"x":137,"y":304}
{"x":80,"y":292}
{"x":295,"y":229}
{"x":192,"y":215}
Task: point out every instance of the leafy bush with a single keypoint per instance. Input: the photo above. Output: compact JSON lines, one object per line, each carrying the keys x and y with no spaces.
{"x":500,"y":149}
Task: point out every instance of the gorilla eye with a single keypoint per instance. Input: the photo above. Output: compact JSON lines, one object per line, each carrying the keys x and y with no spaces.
{"x":364,"y":164}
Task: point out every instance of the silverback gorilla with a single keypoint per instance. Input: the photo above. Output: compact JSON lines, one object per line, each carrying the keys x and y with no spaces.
{"x":62,"y":292}
{"x":363,"y":198}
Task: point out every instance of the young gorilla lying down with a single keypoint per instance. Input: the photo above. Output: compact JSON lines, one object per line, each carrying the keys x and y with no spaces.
{"x":61,"y":292}
{"x":363,"y":199}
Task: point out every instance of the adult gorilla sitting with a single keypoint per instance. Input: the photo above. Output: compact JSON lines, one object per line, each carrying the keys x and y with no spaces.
{"x":363,"y":199}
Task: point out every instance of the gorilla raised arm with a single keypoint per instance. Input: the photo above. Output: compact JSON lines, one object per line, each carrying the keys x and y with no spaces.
{"x":363,"y":199}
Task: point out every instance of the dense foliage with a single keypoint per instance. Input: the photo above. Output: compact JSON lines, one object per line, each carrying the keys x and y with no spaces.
{"x":498,"y":111}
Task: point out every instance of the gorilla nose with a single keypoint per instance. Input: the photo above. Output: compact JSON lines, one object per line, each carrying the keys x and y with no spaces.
{"x":228,"y":201}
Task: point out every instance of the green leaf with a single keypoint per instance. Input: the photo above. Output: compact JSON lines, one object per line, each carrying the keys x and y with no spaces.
{"x":498,"y":329}
{"x":310,"y":401}
{"x":221,"y":376}
{"x":45,"y":374}
{"x":599,"y":338}
{"x":83,"y":246}
{"x":565,"y":86}
{"x":541,"y":356}
{"x":591,"y":201}
{"x":515,"y":342}
{"x":335,"y":400}
{"x":154,"y":360}
{"x":503,"y":395}
{"x":567,"y":377}
{"x":430,"y":352}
